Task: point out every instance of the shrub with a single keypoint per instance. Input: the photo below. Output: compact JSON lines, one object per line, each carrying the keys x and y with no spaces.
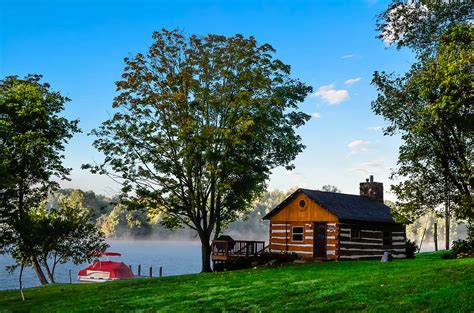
{"x":463,"y":248}
{"x":411,"y":248}
{"x":460,"y":249}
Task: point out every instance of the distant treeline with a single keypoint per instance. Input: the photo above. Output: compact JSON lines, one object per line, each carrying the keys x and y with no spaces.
{"x":115,"y":220}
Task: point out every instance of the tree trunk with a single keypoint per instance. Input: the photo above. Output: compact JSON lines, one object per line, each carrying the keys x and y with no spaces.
{"x":447,"y":227}
{"x":50,"y":273}
{"x":39,"y":271}
{"x":21,"y":283}
{"x":436,"y":236}
{"x":205,"y":252}
{"x":447,"y":213}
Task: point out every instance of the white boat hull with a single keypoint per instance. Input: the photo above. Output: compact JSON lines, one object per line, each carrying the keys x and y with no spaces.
{"x":95,"y":276}
{"x":85,"y":279}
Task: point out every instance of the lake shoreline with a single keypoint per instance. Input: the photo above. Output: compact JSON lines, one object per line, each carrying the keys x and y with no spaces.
{"x":176,"y":258}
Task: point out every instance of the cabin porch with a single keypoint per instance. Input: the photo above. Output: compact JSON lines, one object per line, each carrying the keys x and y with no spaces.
{"x":230,"y":250}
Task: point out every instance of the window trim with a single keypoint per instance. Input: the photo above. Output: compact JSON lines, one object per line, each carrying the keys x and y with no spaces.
{"x":388,"y":238}
{"x":352,"y":234}
{"x":293,"y":233}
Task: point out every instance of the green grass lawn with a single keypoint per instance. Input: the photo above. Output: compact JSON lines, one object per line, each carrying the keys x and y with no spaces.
{"x":426,"y":283}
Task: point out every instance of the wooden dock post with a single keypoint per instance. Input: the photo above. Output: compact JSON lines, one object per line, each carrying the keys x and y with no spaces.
{"x":151,"y":271}
{"x":139,"y":269}
{"x":161,"y":271}
{"x":70,"y":278}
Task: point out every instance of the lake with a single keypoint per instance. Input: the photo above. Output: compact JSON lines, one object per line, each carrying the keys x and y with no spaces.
{"x":176,"y":258}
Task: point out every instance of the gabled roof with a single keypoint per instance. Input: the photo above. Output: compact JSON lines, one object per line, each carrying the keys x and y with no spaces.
{"x":344,"y":206}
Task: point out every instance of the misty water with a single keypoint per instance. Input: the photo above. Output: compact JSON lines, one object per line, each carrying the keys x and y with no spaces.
{"x":176,"y":258}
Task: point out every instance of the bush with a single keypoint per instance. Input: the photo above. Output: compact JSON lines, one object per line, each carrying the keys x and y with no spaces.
{"x":463,"y":248}
{"x":460,"y":249}
{"x":411,"y":248}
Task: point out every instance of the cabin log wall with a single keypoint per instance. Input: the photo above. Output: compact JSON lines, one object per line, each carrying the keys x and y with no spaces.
{"x":281,"y":235}
{"x":282,"y":223}
{"x":332,"y":240}
{"x":281,"y":239}
{"x":370,"y":244}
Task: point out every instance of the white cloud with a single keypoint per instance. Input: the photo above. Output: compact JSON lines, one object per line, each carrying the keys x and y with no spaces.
{"x":352,"y":81}
{"x":370,"y":167}
{"x":316,"y":115}
{"x":331,"y":95}
{"x":358,"y":146}
{"x":348,"y":56}
{"x":375,"y":128}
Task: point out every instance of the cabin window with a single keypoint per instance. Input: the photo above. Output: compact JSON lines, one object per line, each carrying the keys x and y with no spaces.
{"x":302,"y":203}
{"x":297,"y":233}
{"x":355,"y":234}
{"x":387,"y":238}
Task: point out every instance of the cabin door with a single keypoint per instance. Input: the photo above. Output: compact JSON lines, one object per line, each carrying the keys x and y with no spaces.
{"x":319,"y":239}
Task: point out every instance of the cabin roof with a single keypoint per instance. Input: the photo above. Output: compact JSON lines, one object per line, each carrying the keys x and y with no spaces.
{"x":344,"y":206}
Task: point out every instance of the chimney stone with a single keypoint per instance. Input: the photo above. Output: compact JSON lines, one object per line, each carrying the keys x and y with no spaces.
{"x":371,"y":189}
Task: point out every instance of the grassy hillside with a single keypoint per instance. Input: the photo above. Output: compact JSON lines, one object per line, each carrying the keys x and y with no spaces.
{"x":426,"y":283}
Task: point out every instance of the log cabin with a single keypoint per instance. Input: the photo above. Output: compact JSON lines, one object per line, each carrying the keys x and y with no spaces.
{"x":326,"y":225}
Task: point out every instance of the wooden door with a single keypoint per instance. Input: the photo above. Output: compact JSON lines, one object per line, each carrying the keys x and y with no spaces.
{"x":319,"y":239}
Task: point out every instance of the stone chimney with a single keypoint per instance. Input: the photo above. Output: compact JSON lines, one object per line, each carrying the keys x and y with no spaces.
{"x":372,"y":189}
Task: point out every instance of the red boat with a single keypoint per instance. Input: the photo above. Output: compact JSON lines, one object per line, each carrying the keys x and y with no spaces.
{"x":101,"y":271}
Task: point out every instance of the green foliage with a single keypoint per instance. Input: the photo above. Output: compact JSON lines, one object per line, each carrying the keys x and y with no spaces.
{"x":460,"y":249}
{"x":32,"y":138}
{"x":411,"y":249}
{"x":424,"y":284}
{"x":418,"y":25}
{"x":96,"y":204}
{"x":431,"y":108}
{"x":200,"y":122}
{"x":122,"y":222}
{"x":56,"y":235}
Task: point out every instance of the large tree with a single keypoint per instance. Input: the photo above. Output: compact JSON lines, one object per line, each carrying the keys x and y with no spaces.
{"x":418,"y":25}
{"x":32,"y":138}
{"x":431,"y":106}
{"x":200,"y":123}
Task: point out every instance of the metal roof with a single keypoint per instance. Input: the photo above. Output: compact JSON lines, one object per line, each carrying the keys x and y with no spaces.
{"x":344,"y":206}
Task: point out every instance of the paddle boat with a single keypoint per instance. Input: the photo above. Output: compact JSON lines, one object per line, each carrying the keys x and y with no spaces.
{"x":102,"y":271}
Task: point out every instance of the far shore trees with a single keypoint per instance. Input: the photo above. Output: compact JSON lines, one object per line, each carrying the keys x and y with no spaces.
{"x":199,"y":124}
{"x":431,"y":107}
{"x":32,"y":138}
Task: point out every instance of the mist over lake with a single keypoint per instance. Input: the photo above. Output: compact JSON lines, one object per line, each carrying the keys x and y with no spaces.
{"x":176,"y":257}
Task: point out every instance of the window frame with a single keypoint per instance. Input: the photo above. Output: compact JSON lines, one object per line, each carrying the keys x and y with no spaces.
{"x":387,"y":238}
{"x":293,"y":233}
{"x":353,"y":237}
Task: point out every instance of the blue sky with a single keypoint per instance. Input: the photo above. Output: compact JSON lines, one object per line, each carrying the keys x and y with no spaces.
{"x":79,"y":47}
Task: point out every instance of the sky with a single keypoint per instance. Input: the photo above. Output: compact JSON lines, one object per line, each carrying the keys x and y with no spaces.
{"x":79,"y":46}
